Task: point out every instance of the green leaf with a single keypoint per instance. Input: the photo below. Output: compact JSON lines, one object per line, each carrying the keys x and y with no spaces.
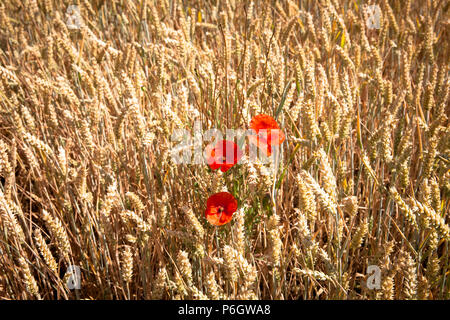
{"x":241,"y":141}
{"x":291,"y":158}
{"x":283,"y":99}
{"x":343,"y":40}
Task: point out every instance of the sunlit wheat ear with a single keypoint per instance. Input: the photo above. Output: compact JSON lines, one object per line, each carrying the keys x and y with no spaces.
{"x":406,"y":210}
{"x":38,"y":144}
{"x":345,"y":282}
{"x":249,"y":275}
{"x":134,"y":202}
{"x":430,"y":156}
{"x":345,"y":57}
{"x":386,"y":149}
{"x":131,"y":216}
{"x":138,"y":119}
{"x":59,"y":233}
{"x":425,"y":192}
{"x":212,"y":287}
{"x":403,"y":173}
{"x":359,"y":235}
{"x":387,"y":288}
{"x":111,"y":200}
{"x":435,"y":195}
{"x":65,"y":45}
{"x":6,"y":19}
{"x":160,"y":284}
{"x":307,"y":241}
{"x":230,"y":263}
{"x":28,"y":118}
{"x":197,"y":294}
{"x":309,"y":121}
{"x":316,"y":275}
{"x":435,"y":219}
{"x":81,"y":185}
{"x":8,"y":75}
{"x":28,"y":278}
{"x":337,"y":113}
{"x":163,"y":210}
{"x":197,"y":231}
{"x":429,"y":41}
{"x":310,"y":80}
{"x":48,"y":6}
{"x":253,"y":177}
{"x":433,"y":242}
{"x":325,"y":132}
{"x":126,"y":264}
{"x":350,"y":205}
{"x":325,"y":201}
{"x":296,"y":108}
{"x":45,"y":251}
{"x":86,"y":135}
{"x":62,"y":160}
{"x":429,"y":100}
{"x":7,"y":166}
{"x":265,"y":177}
{"x":433,"y":268}
{"x":238,"y":229}
{"x":9,"y":219}
{"x":407,"y":266}
{"x":346,"y":122}
{"x":423,"y":288}
{"x":276,"y":245}
{"x":328,"y":177}
{"x":185,"y":267}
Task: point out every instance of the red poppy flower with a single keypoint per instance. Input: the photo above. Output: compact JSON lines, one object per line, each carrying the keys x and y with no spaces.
{"x":267,"y":132}
{"x":223,"y":155}
{"x":220,"y":208}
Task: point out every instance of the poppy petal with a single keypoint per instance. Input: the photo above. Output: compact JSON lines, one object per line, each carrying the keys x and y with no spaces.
{"x":263,"y":121}
{"x":224,"y":201}
{"x":276,"y":137}
{"x":214,"y":219}
{"x":261,"y":144}
{"x":223,"y":155}
{"x":268,"y":133}
{"x":231,"y":152}
{"x":214,"y":165}
{"x":225,"y":218}
{"x":225,"y":167}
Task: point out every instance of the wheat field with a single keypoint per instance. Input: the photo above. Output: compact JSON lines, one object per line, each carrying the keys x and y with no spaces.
{"x":87,"y":178}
